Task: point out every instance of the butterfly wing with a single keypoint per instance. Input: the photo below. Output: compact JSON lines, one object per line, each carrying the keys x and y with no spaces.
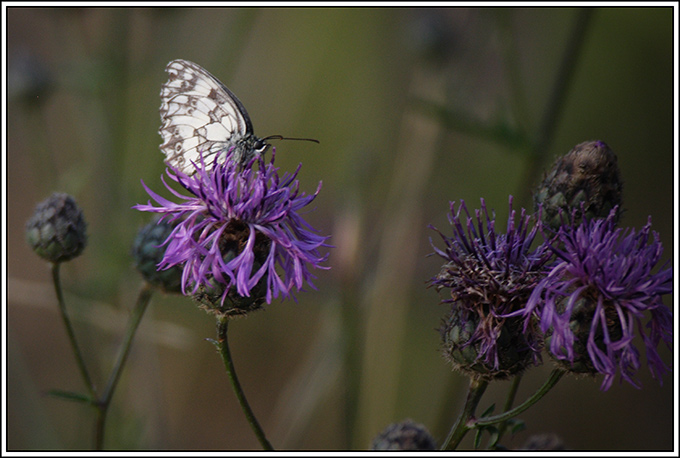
{"x":199,"y":116}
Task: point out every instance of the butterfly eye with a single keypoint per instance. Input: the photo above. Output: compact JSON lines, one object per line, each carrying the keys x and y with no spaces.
{"x":260,"y":146}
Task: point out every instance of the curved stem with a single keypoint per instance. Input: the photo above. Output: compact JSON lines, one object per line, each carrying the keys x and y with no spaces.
{"x":555,"y":377}
{"x":462,"y":425}
{"x":71,"y":334}
{"x":223,"y":347}
{"x":103,"y":405}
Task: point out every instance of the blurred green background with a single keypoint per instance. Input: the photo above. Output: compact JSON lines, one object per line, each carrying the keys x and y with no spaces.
{"x":413,"y":108}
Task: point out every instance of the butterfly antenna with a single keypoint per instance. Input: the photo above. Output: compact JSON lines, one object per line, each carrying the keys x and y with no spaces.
{"x":279,"y":137}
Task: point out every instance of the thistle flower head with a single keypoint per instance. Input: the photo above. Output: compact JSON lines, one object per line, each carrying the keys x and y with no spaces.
{"x":597,"y":295}
{"x":239,"y":223}
{"x":490,"y":276}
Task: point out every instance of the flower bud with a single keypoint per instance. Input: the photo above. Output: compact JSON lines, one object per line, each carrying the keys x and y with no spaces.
{"x":148,"y":250}
{"x":406,"y":435}
{"x":56,"y":231}
{"x":587,"y":176}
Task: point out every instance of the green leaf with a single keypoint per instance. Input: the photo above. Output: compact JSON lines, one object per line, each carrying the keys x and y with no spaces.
{"x":494,"y":436}
{"x":71,"y":396}
{"x":489,"y":411}
{"x":517,"y":425}
{"x":478,"y":438}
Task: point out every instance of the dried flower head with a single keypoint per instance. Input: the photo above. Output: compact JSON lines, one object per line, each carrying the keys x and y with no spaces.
{"x":490,"y":276}
{"x":236,"y":227}
{"x":597,"y":295}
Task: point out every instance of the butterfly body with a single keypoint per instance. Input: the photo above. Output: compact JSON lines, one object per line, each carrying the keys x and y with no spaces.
{"x":202,"y":120}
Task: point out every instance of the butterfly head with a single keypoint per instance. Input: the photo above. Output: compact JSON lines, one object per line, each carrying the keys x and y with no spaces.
{"x":260,"y":146}
{"x":249,"y":146}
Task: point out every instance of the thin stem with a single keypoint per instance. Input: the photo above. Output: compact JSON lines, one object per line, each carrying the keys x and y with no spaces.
{"x":510,"y":57}
{"x":104,"y":402}
{"x":555,"y":104}
{"x":223,"y":347}
{"x":555,"y":377}
{"x":565,"y":75}
{"x":508,"y":405}
{"x":462,"y":425}
{"x":71,"y":334}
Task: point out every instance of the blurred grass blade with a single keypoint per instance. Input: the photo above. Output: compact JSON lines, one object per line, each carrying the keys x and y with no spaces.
{"x":71,"y":396}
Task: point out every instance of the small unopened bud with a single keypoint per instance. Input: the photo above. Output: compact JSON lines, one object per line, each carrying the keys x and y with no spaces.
{"x":148,"y":251}
{"x":406,"y":435}
{"x":586,"y":177}
{"x":56,"y":231}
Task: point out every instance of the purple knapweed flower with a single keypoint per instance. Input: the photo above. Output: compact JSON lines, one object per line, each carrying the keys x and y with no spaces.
{"x":239,"y":223}
{"x":598,"y":293}
{"x":490,"y":276}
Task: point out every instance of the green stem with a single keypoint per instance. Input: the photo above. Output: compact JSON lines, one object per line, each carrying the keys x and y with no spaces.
{"x":223,"y":347}
{"x":104,"y":402}
{"x":510,"y":57}
{"x":508,"y":405}
{"x":71,"y":334}
{"x":555,"y":377}
{"x":462,"y":425}
{"x":555,"y":105}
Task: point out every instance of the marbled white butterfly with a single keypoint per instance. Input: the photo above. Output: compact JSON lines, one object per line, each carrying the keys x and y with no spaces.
{"x":201,"y":116}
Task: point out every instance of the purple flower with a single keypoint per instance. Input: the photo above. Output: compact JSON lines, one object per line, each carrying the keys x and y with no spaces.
{"x":236,"y":227}
{"x":490,"y":276}
{"x":598,"y":293}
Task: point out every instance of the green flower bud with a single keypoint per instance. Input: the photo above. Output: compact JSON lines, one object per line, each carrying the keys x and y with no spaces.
{"x":56,"y":231}
{"x":406,"y":435}
{"x":587,"y":175}
{"x":148,"y":253}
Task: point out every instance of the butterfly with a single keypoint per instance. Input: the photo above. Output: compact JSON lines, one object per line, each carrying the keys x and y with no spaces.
{"x":202,"y":120}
